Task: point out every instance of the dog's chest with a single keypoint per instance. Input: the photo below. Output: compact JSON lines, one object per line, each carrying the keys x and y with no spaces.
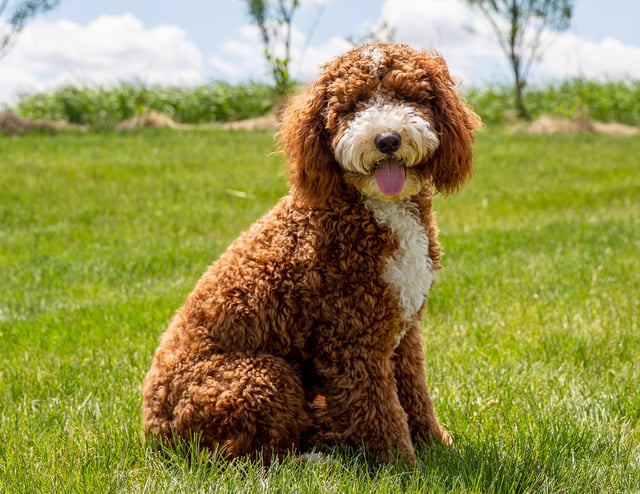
{"x":409,"y":270}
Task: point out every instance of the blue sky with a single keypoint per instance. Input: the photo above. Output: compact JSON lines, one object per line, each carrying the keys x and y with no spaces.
{"x":87,"y":42}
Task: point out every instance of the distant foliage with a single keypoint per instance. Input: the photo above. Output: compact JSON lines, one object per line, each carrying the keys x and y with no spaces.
{"x":220,"y":102}
{"x":613,"y":101}
{"x":105,"y":107}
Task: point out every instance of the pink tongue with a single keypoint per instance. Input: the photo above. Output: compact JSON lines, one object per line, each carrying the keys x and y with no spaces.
{"x":390,"y":177}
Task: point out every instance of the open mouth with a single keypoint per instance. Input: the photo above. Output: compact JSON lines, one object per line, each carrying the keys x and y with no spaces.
{"x":390,"y":176}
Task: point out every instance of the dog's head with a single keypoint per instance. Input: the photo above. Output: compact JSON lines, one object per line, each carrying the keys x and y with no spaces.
{"x":383,"y":118}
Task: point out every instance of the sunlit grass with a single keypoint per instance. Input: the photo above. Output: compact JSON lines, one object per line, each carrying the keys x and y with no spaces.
{"x":531,"y":333}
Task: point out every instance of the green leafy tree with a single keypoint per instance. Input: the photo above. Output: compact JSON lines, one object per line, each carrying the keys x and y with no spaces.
{"x":519,"y":26}
{"x":17,"y":15}
{"x":274,"y":20}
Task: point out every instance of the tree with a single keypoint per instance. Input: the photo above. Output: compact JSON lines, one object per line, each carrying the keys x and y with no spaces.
{"x":519,"y":26}
{"x":275,"y":22}
{"x":18,"y":15}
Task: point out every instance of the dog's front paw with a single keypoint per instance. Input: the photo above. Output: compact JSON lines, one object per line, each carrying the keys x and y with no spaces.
{"x":390,"y":454}
{"x":385,"y":448}
{"x":406,"y":454}
{"x":431,"y":432}
{"x":444,"y":437}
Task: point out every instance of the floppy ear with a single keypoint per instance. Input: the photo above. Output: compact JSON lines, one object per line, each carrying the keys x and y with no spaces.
{"x":313,"y":171}
{"x":452,"y":163}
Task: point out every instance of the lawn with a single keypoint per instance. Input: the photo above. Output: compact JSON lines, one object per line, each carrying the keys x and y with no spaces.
{"x":531,"y":334}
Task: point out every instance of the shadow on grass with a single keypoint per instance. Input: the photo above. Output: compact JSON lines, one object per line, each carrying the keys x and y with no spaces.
{"x":483,"y":466}
{"x":439,"y":469}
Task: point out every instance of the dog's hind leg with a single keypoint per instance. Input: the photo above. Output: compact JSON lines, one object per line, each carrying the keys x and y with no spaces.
{"x":239,"y":404}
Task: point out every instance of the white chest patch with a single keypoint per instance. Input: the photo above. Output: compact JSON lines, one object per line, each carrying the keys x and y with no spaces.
{"x":409,"y":270}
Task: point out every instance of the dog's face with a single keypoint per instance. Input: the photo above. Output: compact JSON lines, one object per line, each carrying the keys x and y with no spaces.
{"x":386,"y":137}
{"x":383,"y":118}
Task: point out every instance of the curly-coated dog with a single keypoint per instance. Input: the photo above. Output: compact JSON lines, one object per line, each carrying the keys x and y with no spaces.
{"x":307,"y":327}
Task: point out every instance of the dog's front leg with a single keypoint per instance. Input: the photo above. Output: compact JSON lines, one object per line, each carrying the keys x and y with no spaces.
{"x":413,"y":391}
{"x":362,"y":401}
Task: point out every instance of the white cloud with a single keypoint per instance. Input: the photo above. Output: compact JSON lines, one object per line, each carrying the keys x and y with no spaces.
{"x":471,"y":49}
{"x":450,"y":27}
{"x":307,"y":65}
{"x":243,"y":50}
{"x":571,"y":56}
{"x":243,"y":58}
{"x":240,"y":59}
{"x":102,"y":52}
{"x":224,"y":70}
{"x":468,"y":43}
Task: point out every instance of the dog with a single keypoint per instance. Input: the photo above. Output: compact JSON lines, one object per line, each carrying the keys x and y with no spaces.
{"x":306,"y":329}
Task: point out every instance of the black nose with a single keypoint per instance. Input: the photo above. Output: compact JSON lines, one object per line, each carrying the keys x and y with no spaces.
{"x":388,"y":142}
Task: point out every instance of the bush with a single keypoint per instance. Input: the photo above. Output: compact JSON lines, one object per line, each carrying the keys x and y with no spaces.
{"x":603,"y":101}
{"x":105,"y":107}
{"x":222,"y":102}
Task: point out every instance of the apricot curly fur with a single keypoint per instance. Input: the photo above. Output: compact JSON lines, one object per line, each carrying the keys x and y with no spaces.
{"x":299,"y":333}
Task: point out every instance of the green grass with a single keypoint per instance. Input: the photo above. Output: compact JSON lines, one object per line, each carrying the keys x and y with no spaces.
{"x":531,"y":333}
